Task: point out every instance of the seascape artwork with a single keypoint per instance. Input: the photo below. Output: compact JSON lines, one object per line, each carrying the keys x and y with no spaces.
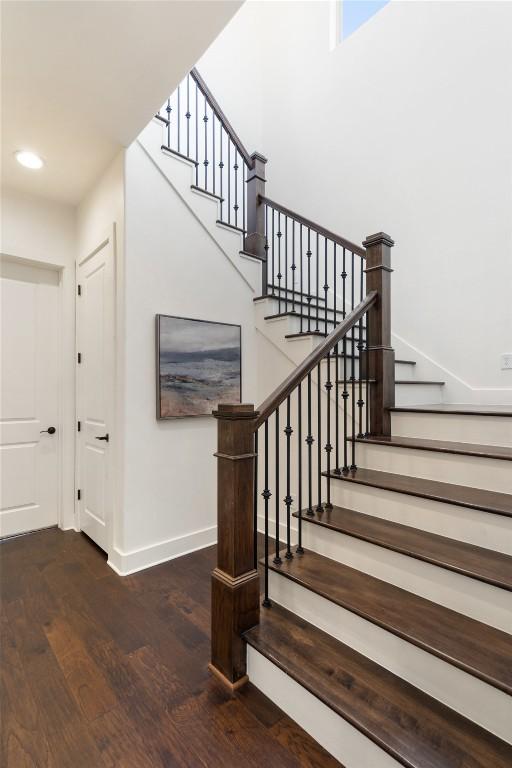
{"x":199,"y":366}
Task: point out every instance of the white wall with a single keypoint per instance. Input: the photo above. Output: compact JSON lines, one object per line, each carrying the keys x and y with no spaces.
{"x":41,"y":231}
{"x":173,"y":266}
{"x":404,"y":127}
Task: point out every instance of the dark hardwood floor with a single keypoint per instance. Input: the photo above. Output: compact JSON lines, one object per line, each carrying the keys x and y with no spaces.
{"x":110,"y":672}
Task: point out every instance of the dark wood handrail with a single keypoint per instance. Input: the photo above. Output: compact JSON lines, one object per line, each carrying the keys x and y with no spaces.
{"x":212,"y":101}
{"x":280,"y":394}
{"x":316,"y":227}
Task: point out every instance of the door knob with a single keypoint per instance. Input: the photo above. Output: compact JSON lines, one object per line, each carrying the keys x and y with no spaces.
{"x":104,"y":437}
{"x":50,"y":430}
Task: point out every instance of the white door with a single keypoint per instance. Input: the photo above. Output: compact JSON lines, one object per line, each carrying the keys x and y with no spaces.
{"x":29,"y":402}
{"x":95,"y":382}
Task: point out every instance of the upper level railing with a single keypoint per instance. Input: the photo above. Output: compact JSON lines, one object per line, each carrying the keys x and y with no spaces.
{"x":197,"y":129}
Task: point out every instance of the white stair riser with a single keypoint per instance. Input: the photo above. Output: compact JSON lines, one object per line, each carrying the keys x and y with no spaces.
{"x":483,"y":529}
{"x":471,"y":697}
{"x":472,"y":471}
{"x":405,"y":372}
{"x":484,"y":430}
{"x":336,"y":735}
{"x":418,"y":394}
{"x":476,"y":599}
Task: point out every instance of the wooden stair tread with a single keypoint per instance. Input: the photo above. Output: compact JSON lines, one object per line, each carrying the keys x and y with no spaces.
{"x":476,"y":648}
{"x":471,"y":410}
{"x":441,"y":446}
{"x":476,"y":562}
{"x":414,"y":728}
{"x":461,"y":495}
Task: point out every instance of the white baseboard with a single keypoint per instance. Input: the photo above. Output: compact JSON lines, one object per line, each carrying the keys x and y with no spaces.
{"x":124,"y":563}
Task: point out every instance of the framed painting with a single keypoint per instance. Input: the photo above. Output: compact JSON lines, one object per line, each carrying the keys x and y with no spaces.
{"x":199,"y":365}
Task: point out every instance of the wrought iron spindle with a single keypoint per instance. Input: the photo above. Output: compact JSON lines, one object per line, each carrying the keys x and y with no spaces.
{"x":319,"y":506}
{"x":328,"y":446}
{"x":236,"y":206}
{"x":214,"y":167}
{"x":326,"y":286}
{"x":337,"y":412}
{"x":229,"y":180}
{"x":288,"y":499}
{"x":279,"y":274}
{"x":255,"y":515}
{"x":196,"y":120}
{"x":266,"y":247}
{"x":221,"y":174}
{"x":188,"y":115}
{"x":368,"y":384}
{"x":277,"y":558}
{"x":345,"y":408}
{"x":353,"y":466}
{"x":168,"y":109}
{"x":299,"y":548}
{"x":317,"y":280}
{"x":266,"y":495}
{"x":360,"y":347}
{"x":205,"y":161}
{"x":309,"y":254}
{"x":286,"y":262}
{"x":294,"y":266}
{"x":309,"y":442}
{"x":178,"y":110}
{"x":273,"y":254}
{"x":244,"y":222}
{"x":301,"y":262}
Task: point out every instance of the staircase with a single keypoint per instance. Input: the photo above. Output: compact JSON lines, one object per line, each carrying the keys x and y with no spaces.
{"x":370,"y":520}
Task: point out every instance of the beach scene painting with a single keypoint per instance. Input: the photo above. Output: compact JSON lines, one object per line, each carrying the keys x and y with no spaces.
{"x":199,"y":366}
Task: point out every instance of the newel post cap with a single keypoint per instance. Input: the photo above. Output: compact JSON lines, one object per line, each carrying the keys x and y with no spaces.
{"x":258,"y":156}
{"x":379,"y":238}
{"x":235,"y":411}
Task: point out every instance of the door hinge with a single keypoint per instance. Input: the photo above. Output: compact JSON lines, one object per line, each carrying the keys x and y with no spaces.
{"x":78,"y":426}
{"x":79,"y":288}
{"x":78,"y":494}
{"x":79,"y":357}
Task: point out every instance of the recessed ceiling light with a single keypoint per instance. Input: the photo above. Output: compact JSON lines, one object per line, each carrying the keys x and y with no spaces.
{"x":29,"y":159}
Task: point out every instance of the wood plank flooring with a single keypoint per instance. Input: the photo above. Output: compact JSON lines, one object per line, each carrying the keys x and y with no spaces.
{"x":100,"y":671}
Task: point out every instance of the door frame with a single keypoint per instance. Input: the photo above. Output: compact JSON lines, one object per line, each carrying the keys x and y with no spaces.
{"x":109,"y":237}
{"x":64,"y":425}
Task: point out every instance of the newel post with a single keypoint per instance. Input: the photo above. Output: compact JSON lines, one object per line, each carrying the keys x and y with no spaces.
{"x":255,"y":240}
{"x":235,"y":581}
{"x":382,"y":355}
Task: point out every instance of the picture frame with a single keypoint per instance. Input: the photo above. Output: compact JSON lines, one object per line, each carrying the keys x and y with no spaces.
{"x":198,"y":366}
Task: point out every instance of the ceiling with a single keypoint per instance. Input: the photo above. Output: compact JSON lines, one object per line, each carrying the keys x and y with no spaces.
{"x":81,"y":79}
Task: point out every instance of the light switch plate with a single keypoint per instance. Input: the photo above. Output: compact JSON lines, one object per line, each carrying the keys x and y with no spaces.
{"x":506,"y":361}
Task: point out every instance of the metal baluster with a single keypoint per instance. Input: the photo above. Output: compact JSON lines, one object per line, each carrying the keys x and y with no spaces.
{"x":273,"y":253}
{"x":353,"y":376}
{"x":308,"y":254}
{"x":255,"y":516}
{"x":288,"y":499}
{"x":168,"y":110}
{"x":205,"y":161}
{"x":326,"y":286}
{"x":236,"y":206}
{"x":299,"y":549}
{"x":197,"y":134}
{"x":301,"y":277}
{"x":244,"y":223}
{"x":309,"y":442}
{"x":229,"y":180}
{"x":337,"y":414}
{"x":277,"y":558}
{"x":179,"y":118}
{"x":286,"y":262}
{"x":319,"y":506}
{"x":214,"y":167}
{"x":368,"y":385}
{"x":360,"y":347}
{"x":328,"y":446}
{"x":266,"y":246}
{"x":221,"y":168}
{"x":266,"y":495}
{"x":294,"y":266}
{"x":188,"y":115}
{"x":317,"y":285}
{"x":345,"y":407}
{"x":279,"y":274}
